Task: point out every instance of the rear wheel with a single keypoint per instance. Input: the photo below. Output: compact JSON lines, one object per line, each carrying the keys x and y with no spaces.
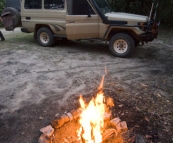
{"x":45,"y":37}
{"x":121,"y":45}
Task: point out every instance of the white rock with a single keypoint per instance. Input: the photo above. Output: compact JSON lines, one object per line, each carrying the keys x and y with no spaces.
{"x":121,"y":126}
{"x":43,"y":139}
{"x":48,"y":131}
{"x":115,"y":121}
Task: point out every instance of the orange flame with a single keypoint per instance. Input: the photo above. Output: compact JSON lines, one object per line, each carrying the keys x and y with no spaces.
{"x":101,"y":83}
{"x":92,"y":117}
{"x":106,"y":71}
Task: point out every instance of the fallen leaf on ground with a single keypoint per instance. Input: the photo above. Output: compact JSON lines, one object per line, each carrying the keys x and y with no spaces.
{"x":166,"y":130}
{"x":137,"y":126}
{"x":148,"y":136}
{"x":159,"y":95}
{"x":120,"y":105}
{"x":138,"y":109}
{"x":147,"y":119}
{"x":144,"y":85}
{"x":41,"y":118}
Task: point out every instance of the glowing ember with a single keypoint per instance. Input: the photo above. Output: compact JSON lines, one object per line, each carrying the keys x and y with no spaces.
{"x":92,"y":118}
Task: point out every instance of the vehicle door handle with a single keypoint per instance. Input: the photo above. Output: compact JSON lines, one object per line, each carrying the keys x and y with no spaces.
{"x":28,"y":18}
{"x":71,"y":21}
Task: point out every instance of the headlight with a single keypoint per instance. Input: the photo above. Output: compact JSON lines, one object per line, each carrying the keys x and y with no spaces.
{"x":143,"y":26}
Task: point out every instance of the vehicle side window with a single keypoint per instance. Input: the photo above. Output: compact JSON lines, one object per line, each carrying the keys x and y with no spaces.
{"x":54,"y":4}
{"x":33,"y":4}
{"x":81,"y":7}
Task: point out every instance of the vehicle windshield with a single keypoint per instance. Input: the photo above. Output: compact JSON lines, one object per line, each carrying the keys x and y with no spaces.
{"x":104,"y":6}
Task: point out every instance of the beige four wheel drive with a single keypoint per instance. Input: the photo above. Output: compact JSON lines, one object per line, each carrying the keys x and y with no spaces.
{"x":82,"y":20}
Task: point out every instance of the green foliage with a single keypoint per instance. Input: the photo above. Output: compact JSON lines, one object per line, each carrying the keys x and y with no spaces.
{"x":2,"y":5}
{"x":164,"y":14}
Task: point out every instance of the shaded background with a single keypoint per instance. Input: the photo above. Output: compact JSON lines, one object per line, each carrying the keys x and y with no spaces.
{"x":143,"y":7}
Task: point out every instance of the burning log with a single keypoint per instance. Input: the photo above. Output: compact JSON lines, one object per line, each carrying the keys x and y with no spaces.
{"x":76,"y":113}
{"x":59,"y":122}
{"x":109,"y":133}
{"x":107,"y":116}
{"x":117,"y":128}
{"x":70,"y":116}
{"x":93,"y":124}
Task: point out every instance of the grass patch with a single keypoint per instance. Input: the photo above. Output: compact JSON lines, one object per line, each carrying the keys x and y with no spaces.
{"x":20,"y":37}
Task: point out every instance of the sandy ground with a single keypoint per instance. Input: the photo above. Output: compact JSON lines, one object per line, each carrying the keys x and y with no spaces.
{"x":38,"y":82}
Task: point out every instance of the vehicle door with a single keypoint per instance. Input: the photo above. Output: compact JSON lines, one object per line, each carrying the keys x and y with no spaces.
{"x":81,"y":21}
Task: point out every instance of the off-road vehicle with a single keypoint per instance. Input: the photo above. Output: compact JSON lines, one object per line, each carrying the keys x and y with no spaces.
{"x":81,"y":20}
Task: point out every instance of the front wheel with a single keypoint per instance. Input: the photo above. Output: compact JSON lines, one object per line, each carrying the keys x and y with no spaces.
{"x":45,"y":37}
{"x":121,"y":44}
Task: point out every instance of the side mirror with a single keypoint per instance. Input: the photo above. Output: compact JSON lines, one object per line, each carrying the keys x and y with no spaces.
{"x":89,"y":12}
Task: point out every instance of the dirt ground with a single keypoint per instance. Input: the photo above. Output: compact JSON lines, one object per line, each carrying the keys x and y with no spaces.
{"x":37,"y":83}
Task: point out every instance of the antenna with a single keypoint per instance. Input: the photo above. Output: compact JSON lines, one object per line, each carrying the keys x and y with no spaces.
{"x":156,"y":10}
{"x":151,"y":11}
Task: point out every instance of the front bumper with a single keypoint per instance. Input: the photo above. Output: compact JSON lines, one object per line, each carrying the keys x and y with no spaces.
{"x":151,"y":31}
{"x":147,"y":37}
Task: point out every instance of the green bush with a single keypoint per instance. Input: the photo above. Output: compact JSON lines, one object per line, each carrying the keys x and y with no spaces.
{"x":164,"y":14}
{"x":2,"y":5}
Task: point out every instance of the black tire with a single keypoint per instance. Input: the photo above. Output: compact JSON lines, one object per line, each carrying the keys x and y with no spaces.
{"x":45,"y":37}
{"x":121,"y":45}
{"x":15,"y":16}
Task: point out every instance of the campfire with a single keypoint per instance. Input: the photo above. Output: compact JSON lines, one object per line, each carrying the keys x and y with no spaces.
{"x":92,"y":122}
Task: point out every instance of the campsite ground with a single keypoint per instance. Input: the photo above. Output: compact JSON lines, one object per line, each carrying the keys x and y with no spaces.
{"x":39,"y":82}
